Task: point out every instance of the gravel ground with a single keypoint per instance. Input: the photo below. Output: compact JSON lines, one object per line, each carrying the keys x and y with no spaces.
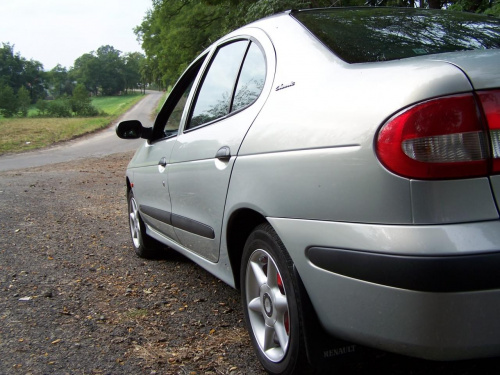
{"x":74,"y":298}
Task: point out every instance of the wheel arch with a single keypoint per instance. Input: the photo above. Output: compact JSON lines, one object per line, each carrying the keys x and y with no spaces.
{"x":129,"y":185}
{"x":241,"y":223}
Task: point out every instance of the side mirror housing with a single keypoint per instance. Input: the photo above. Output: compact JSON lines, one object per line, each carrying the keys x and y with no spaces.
{"x":132,"y":129}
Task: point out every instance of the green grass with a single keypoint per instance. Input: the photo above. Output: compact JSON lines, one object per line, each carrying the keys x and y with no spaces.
{"x":115,"y":105}
{"x":23,"y":134}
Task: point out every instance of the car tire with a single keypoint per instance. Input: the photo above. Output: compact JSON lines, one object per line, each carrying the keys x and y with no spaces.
{"x":144,"y":245}
{"x":271,"y":303}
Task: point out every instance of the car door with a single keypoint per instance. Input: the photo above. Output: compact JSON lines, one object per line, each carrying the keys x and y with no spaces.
{"x":231,"y":94}
{"x":150,"y":175}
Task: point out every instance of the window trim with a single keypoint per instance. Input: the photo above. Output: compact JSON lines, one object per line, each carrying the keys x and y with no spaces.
{"x":173,"y":98}
{"x":250,"y":40}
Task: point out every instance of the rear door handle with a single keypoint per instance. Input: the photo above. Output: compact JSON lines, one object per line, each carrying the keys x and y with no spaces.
{"x":163,"y":162}
{"x":224,"y":153}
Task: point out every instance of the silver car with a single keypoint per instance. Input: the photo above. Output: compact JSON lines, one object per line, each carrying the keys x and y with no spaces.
{"x":341,"y":167}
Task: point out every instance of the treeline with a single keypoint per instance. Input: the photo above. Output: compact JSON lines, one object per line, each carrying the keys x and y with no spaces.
{"x":174,"y":32}
{"x":103,"y":72}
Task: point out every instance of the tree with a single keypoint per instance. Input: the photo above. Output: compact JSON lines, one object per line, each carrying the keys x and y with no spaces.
{"x":102,"y":71}
{"x":146,"y":73}
{"x":11,"y":67}
{"x":16,"y":72}
{"x":112,"y":69}
{"x":132,"y":70}
{"x":59,"y":81}
{"x":8,"y":101}
{"x":86,"y":71}
{"x":33,"y":77}
{"x":23,"y":101}
{"x":174,"y":32}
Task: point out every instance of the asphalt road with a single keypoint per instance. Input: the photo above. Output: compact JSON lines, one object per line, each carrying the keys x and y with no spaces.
{"x":102,"y":143}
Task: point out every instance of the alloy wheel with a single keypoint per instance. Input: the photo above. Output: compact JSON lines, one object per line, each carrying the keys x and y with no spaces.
{"x":267,"y":305}
{"x":135,"y":226}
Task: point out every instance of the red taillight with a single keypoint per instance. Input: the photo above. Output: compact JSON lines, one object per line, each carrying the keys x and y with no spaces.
{"x":490,"y":101}
{"x":436,"y":139}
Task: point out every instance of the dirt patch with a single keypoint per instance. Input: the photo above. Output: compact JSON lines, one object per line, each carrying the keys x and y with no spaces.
{"x":74,"y":298}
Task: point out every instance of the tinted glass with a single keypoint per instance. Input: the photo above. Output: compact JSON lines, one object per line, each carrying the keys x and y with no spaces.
{"x":378,"y":34}
{"x":251,"y":80}
{"x":215,"y":95}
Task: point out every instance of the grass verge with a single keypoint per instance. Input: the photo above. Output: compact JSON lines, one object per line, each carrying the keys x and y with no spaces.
{"x":23,"y":134}
{"x":161,"y":102}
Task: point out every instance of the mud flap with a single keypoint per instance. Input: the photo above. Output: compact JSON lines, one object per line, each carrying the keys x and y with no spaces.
{"x":324,"y":351}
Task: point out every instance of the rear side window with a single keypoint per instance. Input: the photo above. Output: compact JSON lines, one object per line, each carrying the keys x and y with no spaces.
{"x":251,"y":80}
{"x":380,"y":34}
{"x":234,"y":80}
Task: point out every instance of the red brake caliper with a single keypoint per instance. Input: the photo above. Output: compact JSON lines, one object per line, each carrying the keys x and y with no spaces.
{"x":282,"y":290}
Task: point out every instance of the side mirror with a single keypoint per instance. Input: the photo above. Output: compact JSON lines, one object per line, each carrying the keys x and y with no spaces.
{"x":132,"y":129}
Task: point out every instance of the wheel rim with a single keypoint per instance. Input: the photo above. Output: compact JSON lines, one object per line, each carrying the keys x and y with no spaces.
{"x":267,"y":305}
{"x":135,"y":227}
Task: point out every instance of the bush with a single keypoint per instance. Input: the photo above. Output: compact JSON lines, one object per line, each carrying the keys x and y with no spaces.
{"x":42,"y":106}
{"x":494,"y":10}
{"x":59,"y":108}
{"x":81,"y":102}
{"x":86,"y":110}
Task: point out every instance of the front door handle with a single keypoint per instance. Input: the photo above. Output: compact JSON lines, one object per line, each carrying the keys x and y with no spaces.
{"x":224,"y":153}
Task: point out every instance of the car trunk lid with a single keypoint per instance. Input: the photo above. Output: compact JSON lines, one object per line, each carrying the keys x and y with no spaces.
{"x":482,"y":67}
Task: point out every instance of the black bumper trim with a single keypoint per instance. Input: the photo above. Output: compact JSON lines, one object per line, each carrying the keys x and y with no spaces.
{"x":193,"y":226}
{"x":178,"y":221}
{"x":439,"y":274}
{"x":155,"y":213}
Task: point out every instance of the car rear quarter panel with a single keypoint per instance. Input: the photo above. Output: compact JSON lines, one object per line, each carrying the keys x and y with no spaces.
{"x":310,"y":152}
{"x":429,"y":325}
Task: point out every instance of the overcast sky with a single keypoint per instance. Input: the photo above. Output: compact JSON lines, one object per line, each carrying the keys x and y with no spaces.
{"x":59,"y":31}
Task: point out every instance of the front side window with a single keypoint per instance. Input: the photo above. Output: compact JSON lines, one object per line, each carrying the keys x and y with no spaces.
{"x":174,"y":121}
{"x":214,"y":98}
{"x":168,"y":121}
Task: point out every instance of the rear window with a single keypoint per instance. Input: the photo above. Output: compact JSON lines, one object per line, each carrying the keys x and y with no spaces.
{"x":360,"y":35}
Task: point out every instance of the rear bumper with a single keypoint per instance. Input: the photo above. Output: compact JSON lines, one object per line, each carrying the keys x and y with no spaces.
{"x":438,"y":274}
{"x":430,"y":292}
